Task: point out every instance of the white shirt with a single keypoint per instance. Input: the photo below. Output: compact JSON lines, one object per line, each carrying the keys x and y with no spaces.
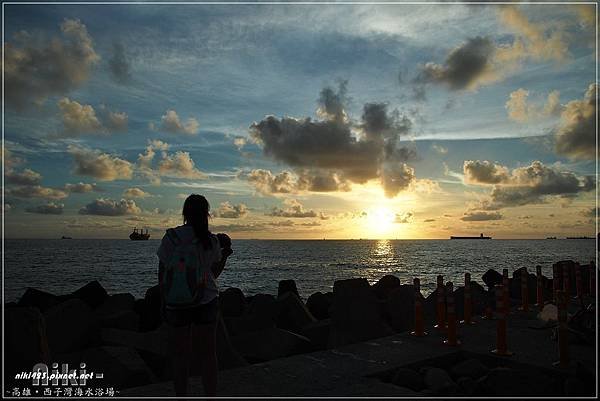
{"x":186,"y":233}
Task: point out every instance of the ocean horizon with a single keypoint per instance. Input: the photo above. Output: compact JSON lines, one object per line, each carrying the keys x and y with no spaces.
{"x":61,"y":266}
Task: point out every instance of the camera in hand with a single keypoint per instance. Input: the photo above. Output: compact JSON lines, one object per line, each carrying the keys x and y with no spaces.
{"x":225,"y":243}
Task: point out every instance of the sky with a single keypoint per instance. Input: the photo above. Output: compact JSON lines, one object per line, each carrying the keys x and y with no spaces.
{"x":301,"y":121}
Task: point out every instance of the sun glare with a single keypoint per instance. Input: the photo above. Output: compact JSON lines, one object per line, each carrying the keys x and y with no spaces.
{"x":380,"y":221}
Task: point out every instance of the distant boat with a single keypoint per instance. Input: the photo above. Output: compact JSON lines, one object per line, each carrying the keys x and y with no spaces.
{"x":481,"y":236}
{"x":550,"y":237}
{"x":584,"y":237}
{"x":139,"y":236}
{"x":63,"y":237}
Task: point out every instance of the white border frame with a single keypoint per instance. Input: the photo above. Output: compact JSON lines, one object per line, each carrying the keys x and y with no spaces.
{"x":294,"y":3}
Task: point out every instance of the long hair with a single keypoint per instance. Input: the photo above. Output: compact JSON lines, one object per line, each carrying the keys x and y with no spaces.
{"x":196,"y":213}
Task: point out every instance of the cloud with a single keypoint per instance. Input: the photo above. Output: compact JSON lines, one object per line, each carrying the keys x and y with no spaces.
{"x":239,"y":142}
{"x":526,"y":185}
{"x":481,"y":216}
{"x":535,"y":40}
{"x":25,"y":177}
{"x":294,"y":209}
{"x":99,"y":165}
{"x":170,"y":122}
{"x":135,"y":193}
{"x":36,"y":191}
{"x":403,"y":218}
{"x":118,"y":64}
{"x":228,"y":211}
{"x":479,"y":61}
{"x":179,"y":165}
{"x":267,"y":183}
{"x":466,"y":67}
{"x":439,"y":149}
{"x":521,"y":110}
{"x":109,"y":207}
{"x":338,"y":148}
{"x":484,"y":172}
{"x":428,"y":220}
{"x":80,"y":119}
{"x":35,"y":68}
{"x":50,"y":208}
{"x":81,"y":188}
{"x":576,"y":132}
{"x":284,"y":223}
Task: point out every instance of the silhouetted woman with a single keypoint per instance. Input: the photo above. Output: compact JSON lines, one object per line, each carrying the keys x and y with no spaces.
{"x":193,"y":326}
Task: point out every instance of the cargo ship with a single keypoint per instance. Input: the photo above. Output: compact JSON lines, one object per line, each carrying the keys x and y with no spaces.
{"x":481,"y":236}
{"x":139,"y":236}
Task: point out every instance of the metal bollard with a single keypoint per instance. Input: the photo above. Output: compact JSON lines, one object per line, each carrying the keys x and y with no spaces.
{"x":563,"y":341}
{"x":440,"y":305}
{"x":468,"y":301}
{"x":524,"y":291}
{"x":419,"y":325}
{"x":592,"y":279}
{"x":539,"y":289}
{"x":451,"y":340}
{"x":506,"y":286}
{"x":555,"y":281}
{"x":501,"y":343}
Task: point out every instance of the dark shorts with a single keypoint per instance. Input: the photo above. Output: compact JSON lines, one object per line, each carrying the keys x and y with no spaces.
{"x":201,"y":314}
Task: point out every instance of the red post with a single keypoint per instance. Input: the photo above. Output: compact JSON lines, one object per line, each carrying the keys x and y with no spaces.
{"x":524,"y":290}
{"x":555,"y":281}
{"x":506,"y":290}
{"x":501,"y":343}
{"x":419,"y":325}
{"x":539,"y":289}
{"x":563,"y":341}
{"x":468,"y":304}
{"x":451,"y":340}
{"x":592,"y":279}
{"x":441,"y":304}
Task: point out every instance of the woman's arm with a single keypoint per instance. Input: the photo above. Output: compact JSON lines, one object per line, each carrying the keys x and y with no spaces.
{"x":218,"y":267}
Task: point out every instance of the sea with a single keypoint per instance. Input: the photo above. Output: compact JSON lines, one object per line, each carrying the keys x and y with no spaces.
{"x":257,"y":266}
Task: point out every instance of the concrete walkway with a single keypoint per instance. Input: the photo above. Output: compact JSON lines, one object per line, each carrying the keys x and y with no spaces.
{"x":348,"y":371}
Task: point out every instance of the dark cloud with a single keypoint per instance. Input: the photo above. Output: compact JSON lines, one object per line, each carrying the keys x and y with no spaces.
{"x":481,"y":216}
{"x":25,"y":177}
{"x":332,"y":103}
{"x":36,"y":191}
{"x":464,"y":66}
{"x":35,"y":68}
{"x":118,"y":64}
{"x":265,"y":182}
{"x":337,"y":147}
{"x":403,"y":218}
{"x":528,"y":185}
{"x":50,"y":208}
{"x":576,"y":134}
{"x":109,"y":207}
{"x":293,"y":209}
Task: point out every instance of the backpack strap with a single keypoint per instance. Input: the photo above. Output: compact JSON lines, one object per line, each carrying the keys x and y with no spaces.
{"x":173,"y":237}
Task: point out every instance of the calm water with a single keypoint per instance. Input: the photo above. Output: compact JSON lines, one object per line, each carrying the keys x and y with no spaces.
{"x":61,"y":266}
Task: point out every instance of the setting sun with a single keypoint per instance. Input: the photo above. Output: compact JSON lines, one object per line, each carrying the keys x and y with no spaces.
{"x":380,"y":221}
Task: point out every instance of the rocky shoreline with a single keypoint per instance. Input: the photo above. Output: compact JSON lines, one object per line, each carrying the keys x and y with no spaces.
{"x":125,"y":338}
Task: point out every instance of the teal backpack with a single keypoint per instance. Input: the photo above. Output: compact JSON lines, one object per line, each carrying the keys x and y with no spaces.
{"x":184,"y":275}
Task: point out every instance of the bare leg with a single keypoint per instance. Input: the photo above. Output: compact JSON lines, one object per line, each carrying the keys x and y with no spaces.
{"x":204,"y":336}
{"x":179,"y":339}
